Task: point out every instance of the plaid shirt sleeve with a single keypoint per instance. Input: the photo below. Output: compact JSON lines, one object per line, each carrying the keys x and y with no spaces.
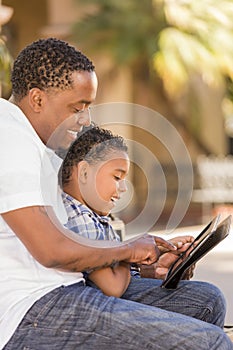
{"x":86,"y":223}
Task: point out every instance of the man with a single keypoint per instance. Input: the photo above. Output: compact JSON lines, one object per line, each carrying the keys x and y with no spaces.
{"x":44,"y":303}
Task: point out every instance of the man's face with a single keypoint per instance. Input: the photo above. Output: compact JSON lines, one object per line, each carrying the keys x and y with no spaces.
{"x":65,"y":112}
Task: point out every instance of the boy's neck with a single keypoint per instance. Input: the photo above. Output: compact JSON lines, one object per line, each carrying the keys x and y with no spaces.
{"x":73,"y":190}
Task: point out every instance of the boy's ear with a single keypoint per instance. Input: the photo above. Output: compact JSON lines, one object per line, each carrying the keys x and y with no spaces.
{"x":83,"y":167}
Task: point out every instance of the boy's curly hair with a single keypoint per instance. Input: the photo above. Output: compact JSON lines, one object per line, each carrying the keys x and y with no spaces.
{"x":92,"y":145}
{"x":47,"y":63}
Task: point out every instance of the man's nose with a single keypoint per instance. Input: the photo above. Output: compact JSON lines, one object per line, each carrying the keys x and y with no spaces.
{"x":84,"y":117}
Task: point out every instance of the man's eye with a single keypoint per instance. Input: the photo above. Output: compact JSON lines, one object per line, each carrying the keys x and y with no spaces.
{"x":117,"y":178}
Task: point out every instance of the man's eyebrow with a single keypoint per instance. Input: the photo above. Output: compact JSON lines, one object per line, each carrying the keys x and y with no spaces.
{"x":73,"y":104}
{"x":85,"y":102}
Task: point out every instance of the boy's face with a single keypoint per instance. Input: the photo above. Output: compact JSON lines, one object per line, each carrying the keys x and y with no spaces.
{"x":105,"y":183}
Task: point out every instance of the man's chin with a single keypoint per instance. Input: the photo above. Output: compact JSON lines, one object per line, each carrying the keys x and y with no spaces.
{"x":61,"y":148}
{"x":62,"y":152}
{"x":60,"y":140}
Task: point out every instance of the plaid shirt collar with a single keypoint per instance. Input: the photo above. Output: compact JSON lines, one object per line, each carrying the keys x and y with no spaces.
{"x":75,"y":208}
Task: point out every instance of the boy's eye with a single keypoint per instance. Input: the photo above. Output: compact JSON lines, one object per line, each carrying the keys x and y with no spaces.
{"x":117,"y":178}
{"x":82,"y":110}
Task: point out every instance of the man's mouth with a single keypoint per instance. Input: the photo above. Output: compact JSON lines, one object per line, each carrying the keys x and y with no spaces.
{"x":73,"y":133}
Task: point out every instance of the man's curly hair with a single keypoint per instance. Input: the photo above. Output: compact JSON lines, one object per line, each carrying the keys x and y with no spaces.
{"x":93,"y":145}
{"x":47,"y":64}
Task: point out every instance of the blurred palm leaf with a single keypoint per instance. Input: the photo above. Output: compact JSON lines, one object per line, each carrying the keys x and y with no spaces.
{"x":5,"y":65}
{"x":126,"y":29}
{"x":176,"y":38}
{"x":199,"y":40}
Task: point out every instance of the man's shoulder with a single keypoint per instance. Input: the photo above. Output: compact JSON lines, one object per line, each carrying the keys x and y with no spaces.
{"x":7,"y":106}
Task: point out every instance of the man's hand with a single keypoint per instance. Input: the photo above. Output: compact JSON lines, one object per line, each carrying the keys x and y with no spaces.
{"x":146,"y":249}
{"x":160,"y":268}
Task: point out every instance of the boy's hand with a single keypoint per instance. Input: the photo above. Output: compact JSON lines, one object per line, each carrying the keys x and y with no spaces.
{"x":160,"y":268}
{"x":181,"y":243}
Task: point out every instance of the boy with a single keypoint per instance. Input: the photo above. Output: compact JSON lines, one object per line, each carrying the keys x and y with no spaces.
{"x":93,"y":178}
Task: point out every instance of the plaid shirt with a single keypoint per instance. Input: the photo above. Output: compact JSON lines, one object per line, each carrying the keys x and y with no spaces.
{"x":87,"y":223}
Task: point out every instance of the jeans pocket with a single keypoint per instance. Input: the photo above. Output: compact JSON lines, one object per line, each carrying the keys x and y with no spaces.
{"x":40,"y":309}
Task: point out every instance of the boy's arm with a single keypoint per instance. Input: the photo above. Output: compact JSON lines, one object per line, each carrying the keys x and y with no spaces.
{"x":113,"y":281}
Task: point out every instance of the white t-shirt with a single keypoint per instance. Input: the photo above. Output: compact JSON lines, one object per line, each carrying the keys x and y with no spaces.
{"x":27,"y":177}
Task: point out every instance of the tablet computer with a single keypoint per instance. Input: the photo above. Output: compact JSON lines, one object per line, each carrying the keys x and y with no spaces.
{"x":209,"y":237}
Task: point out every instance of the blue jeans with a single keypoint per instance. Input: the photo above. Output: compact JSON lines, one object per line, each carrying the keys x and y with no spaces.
{"x":146,"y":317}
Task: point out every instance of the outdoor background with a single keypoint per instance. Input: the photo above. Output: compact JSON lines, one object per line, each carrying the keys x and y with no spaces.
{"x":174,"y":57}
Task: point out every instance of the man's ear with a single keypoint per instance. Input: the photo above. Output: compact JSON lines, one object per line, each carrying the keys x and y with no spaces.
{"x":36,"y":99}
{"x":83,"y":168}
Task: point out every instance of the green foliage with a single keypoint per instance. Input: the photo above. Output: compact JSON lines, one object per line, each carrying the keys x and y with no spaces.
{"x":177,"y":38}
{"x":126,"y":29}
{"x":199,"y":40}
{"x":5,"y":66}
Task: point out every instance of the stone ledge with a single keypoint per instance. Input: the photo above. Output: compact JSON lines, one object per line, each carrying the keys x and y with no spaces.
{"x":228,"y":329}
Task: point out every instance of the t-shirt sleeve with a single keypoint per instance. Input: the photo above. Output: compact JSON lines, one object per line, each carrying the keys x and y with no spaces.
{"x":20,"y":170}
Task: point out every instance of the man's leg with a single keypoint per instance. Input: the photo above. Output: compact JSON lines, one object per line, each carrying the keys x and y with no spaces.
{"x":79,"y":317}
{"x":200,"y":300}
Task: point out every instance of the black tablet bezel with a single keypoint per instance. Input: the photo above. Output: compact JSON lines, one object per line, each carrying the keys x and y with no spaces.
{"x":177,"y":268}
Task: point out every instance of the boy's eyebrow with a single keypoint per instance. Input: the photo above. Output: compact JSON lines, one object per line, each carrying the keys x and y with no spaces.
{"x":121,"y":171}
{"x":85,"y":102}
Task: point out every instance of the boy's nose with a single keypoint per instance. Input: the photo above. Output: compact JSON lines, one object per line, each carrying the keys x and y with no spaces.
{"x":122,"y":186}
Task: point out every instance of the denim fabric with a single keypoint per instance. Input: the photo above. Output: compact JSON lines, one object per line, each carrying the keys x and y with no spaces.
{"x":81,"y":317}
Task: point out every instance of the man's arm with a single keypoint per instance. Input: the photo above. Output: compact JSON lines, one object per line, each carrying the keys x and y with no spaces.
{"x":55,"y":247}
